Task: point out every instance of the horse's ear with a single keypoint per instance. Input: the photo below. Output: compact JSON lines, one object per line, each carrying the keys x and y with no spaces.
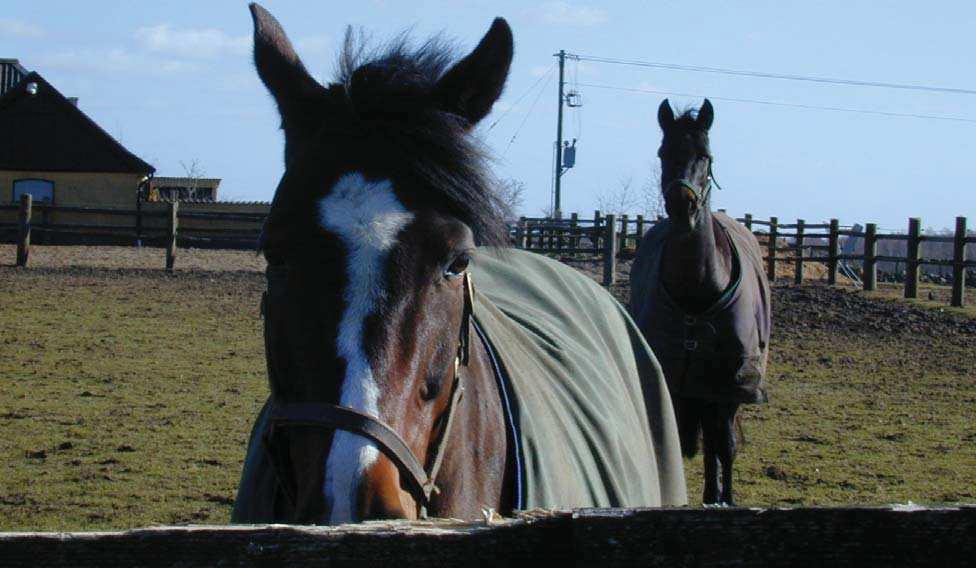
{"x":472,"y":85}
{"x":282,"y":71}
{"x":706,"y":114}
{"x":665,"y":116}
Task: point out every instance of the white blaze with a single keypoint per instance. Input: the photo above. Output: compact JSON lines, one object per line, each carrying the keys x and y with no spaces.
{"x":366,"y":216}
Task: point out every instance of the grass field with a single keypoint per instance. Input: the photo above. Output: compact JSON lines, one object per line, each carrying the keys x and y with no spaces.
{"x":126,"y":395}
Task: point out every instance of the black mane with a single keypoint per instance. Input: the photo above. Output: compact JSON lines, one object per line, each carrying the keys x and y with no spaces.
{"x":389,"y":104}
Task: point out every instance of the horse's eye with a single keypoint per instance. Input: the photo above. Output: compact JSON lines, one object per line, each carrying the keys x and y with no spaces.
{"x":457,"y":268}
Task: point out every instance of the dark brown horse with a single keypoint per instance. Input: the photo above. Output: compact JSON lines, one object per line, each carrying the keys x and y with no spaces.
{"x":373,"y":330}
{"x":700,"y":295}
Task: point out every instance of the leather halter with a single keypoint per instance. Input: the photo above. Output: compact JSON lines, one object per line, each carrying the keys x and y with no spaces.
{"x":420,"y":481}
{"x":702,"y":192}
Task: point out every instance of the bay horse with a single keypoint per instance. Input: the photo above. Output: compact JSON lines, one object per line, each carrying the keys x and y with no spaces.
{"x":417,"y":366}
{"x":700,"y":295}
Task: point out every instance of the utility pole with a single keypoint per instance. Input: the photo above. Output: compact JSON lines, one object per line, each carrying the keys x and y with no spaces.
{"x":557,"y":206}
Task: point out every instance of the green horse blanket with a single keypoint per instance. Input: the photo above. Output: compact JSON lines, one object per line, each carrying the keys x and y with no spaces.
{"x":588,"y":406}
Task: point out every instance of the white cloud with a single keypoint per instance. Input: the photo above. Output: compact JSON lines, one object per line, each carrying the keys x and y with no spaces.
{"x":565,"y":14}
{"x":17,"y":28}
{"x":206,"y":43}
{"x":114,"y":61}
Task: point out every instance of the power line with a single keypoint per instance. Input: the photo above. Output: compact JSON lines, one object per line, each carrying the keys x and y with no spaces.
{"x":528,"y":114}
{"x":522,"y":96}
{"x":783,"y":104}
{"x":764,"y":75}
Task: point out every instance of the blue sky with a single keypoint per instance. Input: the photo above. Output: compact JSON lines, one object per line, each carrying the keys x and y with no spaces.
{"x":173,"y":80}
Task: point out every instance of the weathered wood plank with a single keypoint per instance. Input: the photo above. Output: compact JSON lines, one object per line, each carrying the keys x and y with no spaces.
{"x":870,"y":272}
{"x":912,"y":257}
{"x":172,"y":229}
{"x":606,"y":537}
{"x":959,"y":264}
{"x":610,"y":251}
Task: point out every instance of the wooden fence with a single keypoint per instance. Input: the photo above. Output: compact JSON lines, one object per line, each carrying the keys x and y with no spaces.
{"x":609,"y":237}
{"x":612,"y":237}
{"x":162,"y":225}
{"x":892,"y":536}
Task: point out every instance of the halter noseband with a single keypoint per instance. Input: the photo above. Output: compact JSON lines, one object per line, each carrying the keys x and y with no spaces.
{"x":701,"y":193}
{"x":420,"y":481}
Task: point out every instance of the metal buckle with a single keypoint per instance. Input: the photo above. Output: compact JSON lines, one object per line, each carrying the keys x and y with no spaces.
{"x":691,"y":345}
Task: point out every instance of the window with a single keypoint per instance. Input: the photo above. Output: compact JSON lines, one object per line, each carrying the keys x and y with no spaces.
{"x":41,"y":190}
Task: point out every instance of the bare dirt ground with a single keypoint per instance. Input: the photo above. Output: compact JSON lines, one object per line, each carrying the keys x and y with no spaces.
{"x":127,"y":394}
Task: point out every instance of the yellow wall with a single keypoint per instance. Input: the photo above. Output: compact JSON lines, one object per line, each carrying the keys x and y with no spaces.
{"x":118,"y":191}
{"x":74,"y":189}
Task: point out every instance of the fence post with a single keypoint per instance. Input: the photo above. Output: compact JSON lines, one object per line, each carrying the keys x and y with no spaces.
{"x":24,"y":234}
{"x":958,"y":266}
{"x":574,"y":238}
{"x":771,"y":250}
{"x":623,"y":232}
{"x":139,"y":220}
{"x":560,"y":232}
{"x":798,"y":274}
{"x":172,"y":226}
{"x":832,"y":240}
{"x":870,"y":272}
{"x":748,"y":221}
{"x":610,"y":251}
{"x":596,"y":232}
{"x":912,"y":256}
{"x":640,"y":229}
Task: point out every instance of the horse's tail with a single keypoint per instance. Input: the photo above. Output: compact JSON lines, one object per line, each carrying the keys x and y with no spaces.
{"x":689,"y":415}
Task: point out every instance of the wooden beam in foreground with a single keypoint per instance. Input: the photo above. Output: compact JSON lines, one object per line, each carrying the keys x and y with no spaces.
{"x":673,"y":537}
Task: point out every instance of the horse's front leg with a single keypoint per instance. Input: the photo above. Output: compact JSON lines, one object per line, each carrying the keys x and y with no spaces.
{"x":727,"y":447}
{"x":711,"y":441}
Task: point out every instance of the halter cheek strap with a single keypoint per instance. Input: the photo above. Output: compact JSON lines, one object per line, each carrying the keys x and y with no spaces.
{"x":420,"y":482}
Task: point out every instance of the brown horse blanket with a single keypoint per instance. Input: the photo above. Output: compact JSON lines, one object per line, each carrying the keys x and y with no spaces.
{"x":588,"y":407}
{"x":719,"y":354}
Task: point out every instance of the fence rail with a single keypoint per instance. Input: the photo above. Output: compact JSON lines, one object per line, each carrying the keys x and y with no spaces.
{"x":610,"y":237}
{"x":166,"y":226}
{"x":907,"y":535}
{"x":805,"y":243}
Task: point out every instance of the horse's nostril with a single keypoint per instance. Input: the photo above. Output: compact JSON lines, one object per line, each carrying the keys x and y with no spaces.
{"x":381,"y":497}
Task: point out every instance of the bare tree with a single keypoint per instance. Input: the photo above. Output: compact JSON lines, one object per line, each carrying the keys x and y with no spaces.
{"x":619,"y":200}
{"x":652,"y":200}
{"x":511,"y":192}
{"x":193,"y":172}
